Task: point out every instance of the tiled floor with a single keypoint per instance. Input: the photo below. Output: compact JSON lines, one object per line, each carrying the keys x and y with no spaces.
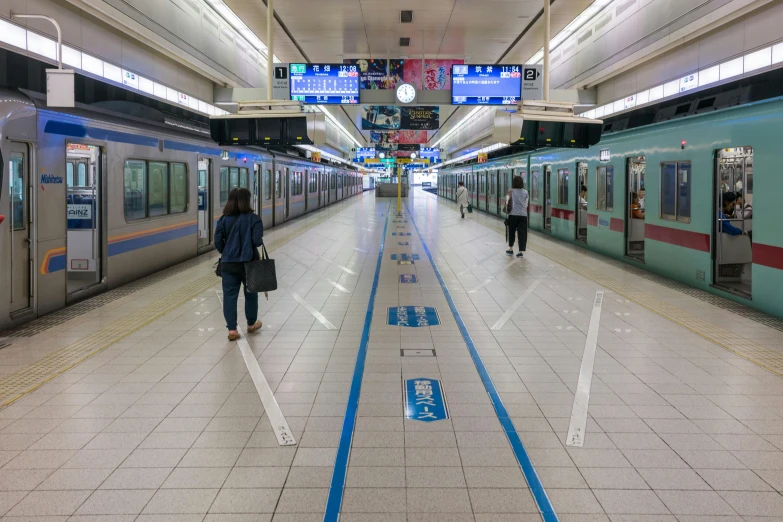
{"x":167,"y":425}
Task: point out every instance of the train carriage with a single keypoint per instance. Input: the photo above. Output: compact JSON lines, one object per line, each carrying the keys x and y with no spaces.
{"x":95,"y":199}
{"x":654,"y":195}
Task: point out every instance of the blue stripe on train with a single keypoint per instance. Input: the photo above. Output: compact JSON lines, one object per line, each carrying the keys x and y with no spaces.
{"x":128,"y":245}
{"x":82,"y":131}
{"x":77,"y":130}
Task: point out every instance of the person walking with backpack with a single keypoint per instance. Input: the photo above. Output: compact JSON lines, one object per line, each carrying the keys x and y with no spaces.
{"x":517,"y":201}
{"x":238,"y":234}
{"x":462,"y":198}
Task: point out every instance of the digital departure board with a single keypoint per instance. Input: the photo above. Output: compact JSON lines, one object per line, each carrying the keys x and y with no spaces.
{"x":324,"y":83}
{"x":486,"y":84}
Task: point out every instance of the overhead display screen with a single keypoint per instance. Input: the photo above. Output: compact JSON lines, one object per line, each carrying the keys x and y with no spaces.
{"x":324,"y":83}
{"x":486,"y":84}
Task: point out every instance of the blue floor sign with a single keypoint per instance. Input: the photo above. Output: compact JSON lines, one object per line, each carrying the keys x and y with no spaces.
{"x":413,"y":316}
{"x":405,"y":257}
{"x":408,"y":278}
{"x":424,"y":400}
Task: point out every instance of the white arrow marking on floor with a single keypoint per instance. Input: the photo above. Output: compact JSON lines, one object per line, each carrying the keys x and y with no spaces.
{"x":477,"y":264}
{"x":285,"y":437}
{"x":576,"y":428}
{"x":479,"y":287}
{"x":513,"y":308}
{"x":338,"y":286}
{"x":319,"y":317}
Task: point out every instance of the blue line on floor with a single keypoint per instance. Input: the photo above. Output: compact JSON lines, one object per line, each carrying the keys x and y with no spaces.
{"x":536,"y":487}
{"x":334,"y":501}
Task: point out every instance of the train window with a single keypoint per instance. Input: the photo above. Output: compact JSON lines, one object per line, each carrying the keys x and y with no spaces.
{"x":233,"y":178}
{"x":562,"y":186}
{"x":224,"y":187}
{"x":339,"y":181}
{"x":676,"y":191}
{"x":278,"y":185}
{"x":313,"y":179}
{"x":605,"y":186}
{"x":158,"y":188}
{"x":202,"y":178}
{"x":244,"y":178}
{"x":179,"y":188}
{"x":135,"y":190}
{"x":535,"y":189}
{"x":18,"y":192}
{"x":82,"y":174}
{"x":69,"y":174}
{"x":268,"y":184}
{"x":332,"y":181}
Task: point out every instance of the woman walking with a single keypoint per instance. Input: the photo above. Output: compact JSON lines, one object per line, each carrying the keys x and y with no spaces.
{"x":238,"y":234}
{"x":462,"y":197}
{"x":517,"y":201}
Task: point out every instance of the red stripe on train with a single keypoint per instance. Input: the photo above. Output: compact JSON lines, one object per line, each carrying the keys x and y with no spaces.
{"x":768,"y":255}
{"x":562,"y":213}
{"x":678,"y":237}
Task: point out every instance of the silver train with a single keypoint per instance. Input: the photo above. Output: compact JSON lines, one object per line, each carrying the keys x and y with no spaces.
{"x":90,"y":200}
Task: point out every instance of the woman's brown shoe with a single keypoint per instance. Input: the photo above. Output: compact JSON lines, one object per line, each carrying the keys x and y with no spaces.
{"x":233,"y":336}
{"x":255,"y":327}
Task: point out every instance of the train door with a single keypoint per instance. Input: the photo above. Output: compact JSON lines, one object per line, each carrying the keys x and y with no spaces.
{"x":581,"y":201}
{"x":255,"y":187}
{"x":287,"y":193}
{"x":84,"y":253}
{"x":548,"y":198}
{"x":279,"y":204}
{"x":21,"y":229}
{"x":324,"y":188}
{"x":265,"y":196}
{"x":732,"y":247}
{"x":634,"y":208}
{"x":205,"y":230}
{"x":492,"y":196}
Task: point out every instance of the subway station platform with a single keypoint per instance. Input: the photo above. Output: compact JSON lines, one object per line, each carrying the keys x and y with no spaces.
{"x":407,"y":370}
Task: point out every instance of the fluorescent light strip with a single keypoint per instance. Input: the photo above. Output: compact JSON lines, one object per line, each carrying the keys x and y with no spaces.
{"x":458,"y":125}
{"x":17,"y":36}
{"x":239,"y":26}
{"x":731,"y":68}
{"x":337,"y":124}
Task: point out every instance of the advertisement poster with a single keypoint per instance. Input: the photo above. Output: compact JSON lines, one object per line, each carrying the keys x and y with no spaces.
{"x":420,"y":118}
{"x":412,"y":136}
{"x":372,"y":73}
{"x":380,"y":117}
{"x":387,"y":139}
{"x":437,"y":73}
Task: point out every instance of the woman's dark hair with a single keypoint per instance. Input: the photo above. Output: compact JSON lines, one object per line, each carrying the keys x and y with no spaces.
{"x":238,"y":202}
{"x":634,"y":196}
{"x":460,"y":183}
{"x":517,"y":182}
{"x":583,"y":189}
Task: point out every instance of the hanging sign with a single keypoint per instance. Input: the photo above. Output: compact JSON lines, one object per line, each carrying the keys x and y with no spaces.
{"x":482,"y":157}
{"x":315,"y":156}
{"x":420,"y":118}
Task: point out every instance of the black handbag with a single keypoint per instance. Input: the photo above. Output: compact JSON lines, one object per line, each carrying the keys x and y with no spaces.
{"x":219,"y":264}
{"x":260,"y":275}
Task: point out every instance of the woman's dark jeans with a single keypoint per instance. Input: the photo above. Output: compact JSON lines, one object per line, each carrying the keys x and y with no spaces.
{"x":231,"y":284}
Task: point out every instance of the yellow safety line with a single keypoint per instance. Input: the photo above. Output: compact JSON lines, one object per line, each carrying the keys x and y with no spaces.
{"x":759,"y":355}
{"x":35,"y":375}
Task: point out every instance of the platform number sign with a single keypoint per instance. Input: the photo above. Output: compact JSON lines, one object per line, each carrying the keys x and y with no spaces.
{"x":532,"y":82}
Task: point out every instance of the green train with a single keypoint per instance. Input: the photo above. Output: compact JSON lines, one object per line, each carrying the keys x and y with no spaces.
{"x":654,"y":198}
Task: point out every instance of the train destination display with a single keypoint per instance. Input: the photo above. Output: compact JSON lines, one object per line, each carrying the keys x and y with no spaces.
{"x":486,"y":84}
{"x":324,"y":83}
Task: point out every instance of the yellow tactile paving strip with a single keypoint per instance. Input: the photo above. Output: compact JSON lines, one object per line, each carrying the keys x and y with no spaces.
{"x":745,"y":348}
{"x":33,"y":376}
